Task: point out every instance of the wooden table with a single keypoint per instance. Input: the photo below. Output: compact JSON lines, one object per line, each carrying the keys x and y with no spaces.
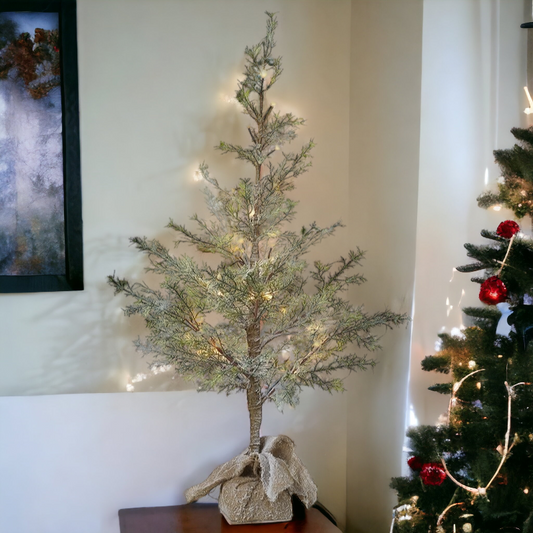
{"x":206,"y":518}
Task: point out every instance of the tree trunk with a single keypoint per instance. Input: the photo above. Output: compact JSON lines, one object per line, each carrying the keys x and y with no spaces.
{"x":253,"y":333}
{"x":255,"y":409}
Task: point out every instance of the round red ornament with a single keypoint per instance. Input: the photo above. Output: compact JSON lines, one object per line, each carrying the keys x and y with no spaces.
{"x":493,"y":291}
{"x":507,"y":229}
{"x":432,"y":474}
{"x":415,"y":463}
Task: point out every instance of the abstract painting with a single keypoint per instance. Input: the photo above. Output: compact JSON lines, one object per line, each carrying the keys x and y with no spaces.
{"x":39,"y":151}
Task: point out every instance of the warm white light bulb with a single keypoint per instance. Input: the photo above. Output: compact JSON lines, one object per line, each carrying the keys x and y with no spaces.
{"x":471,"y":364}
{"x":197,"y":175}
{"x":138,"y":378}
{"x":526,"y":491}
{"x":497,"y":207}
{"x":264,"y":73}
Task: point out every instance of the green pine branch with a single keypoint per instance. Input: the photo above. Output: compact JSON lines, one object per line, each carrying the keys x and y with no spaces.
{"x":516,"y":165}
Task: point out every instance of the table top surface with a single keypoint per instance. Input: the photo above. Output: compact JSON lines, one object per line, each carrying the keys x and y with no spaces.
{"x":206,"y":518}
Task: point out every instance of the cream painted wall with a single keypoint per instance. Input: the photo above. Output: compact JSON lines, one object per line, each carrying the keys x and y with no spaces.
{"x":384,"y":142}
{"x":154,"y":79}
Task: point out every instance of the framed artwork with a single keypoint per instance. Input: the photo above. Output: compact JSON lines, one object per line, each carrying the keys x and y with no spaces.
{"x":41,"y":245}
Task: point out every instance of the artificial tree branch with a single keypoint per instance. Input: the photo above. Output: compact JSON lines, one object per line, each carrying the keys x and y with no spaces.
{"x":506,"y":447}
{"x":443,"y":514}
{"x":455,"y":388}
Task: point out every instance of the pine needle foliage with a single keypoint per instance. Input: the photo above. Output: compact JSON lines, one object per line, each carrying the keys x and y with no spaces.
{"x":516,"y":164}
{"x":281,"y":325}
{"x":518,"y":276}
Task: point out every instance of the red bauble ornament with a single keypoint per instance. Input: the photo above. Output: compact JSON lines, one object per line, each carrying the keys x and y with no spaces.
{"x":507,"y":229}
{"x":415,"y":463}
{"x":432,"y":474}
{"x":493,"y":291}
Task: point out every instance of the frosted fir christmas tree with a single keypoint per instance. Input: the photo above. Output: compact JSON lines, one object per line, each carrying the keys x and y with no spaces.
{"x":473,"y":472}
{"x":280,"y":325}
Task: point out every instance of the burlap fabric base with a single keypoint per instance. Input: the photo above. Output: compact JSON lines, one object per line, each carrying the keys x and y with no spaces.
{"x":258,"y":487}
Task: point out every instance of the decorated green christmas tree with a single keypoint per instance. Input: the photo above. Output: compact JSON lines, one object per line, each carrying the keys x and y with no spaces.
{"x":262,"y":321}
{"x":473,"y":472}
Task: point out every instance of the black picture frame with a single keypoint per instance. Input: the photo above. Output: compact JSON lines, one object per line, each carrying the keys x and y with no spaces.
{"x":72,"y":280}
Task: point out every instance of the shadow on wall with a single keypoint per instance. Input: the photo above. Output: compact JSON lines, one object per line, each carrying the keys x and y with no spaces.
{"x":90,"y":345}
